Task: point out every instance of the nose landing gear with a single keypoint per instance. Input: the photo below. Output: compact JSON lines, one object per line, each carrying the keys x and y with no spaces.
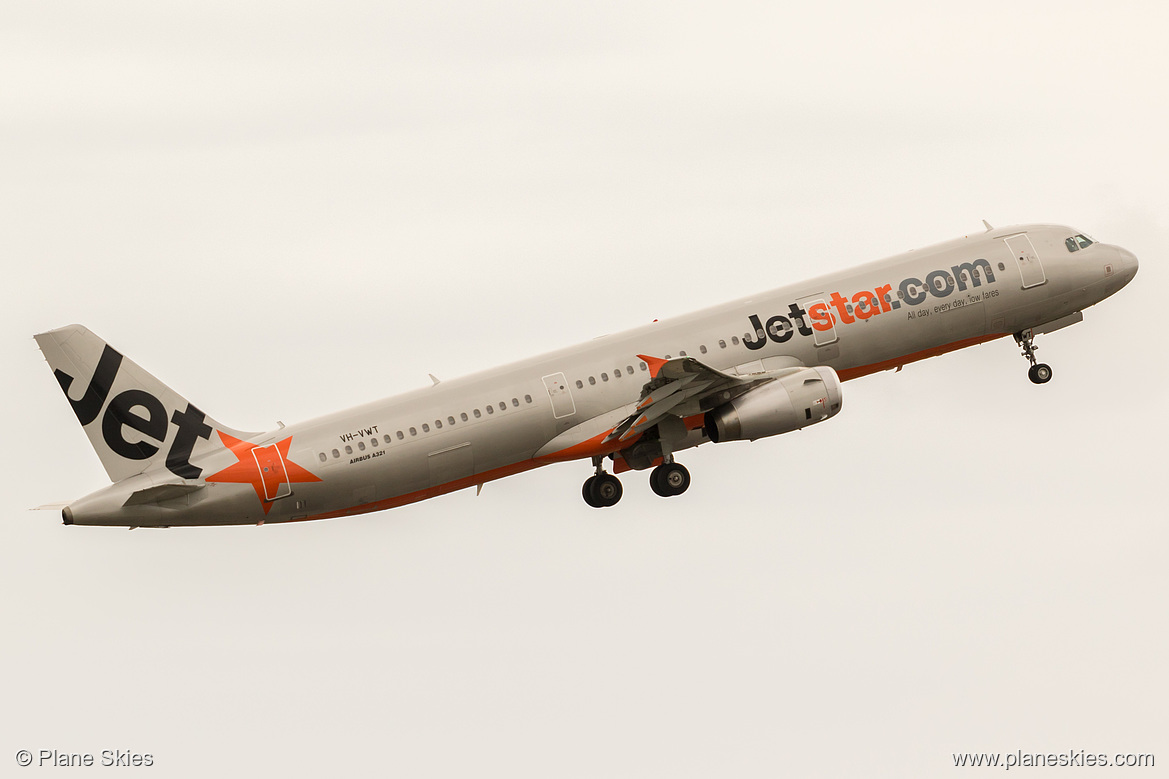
{"x":1039,"y":373}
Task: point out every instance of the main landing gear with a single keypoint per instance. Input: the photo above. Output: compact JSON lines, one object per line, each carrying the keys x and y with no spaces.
{"x":602,"y":490}
{"x":669,"y":479}
{"x":1039,"y":373}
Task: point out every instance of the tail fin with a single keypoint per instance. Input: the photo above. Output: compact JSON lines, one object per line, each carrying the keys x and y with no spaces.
{"x":134,"y":421}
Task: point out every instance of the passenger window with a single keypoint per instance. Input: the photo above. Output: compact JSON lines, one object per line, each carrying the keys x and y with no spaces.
{"x":643,"y":366}
{"x":373,"y":442}
{"x":702,"y":348}
{"x":735,"y":340}
{"x":463,"y":416}
{"x":579,"y":384}
{"x":527,"y":398}
{"x":361,"y":445}
{"x":592,"y":380}
{"x":490,"y":409}
{"x":425,"y":428}
{"x":400,"y":436}
{"x":604,"y":377}
{"x":722,"y":344}
{"x":438,"y":424}
{"x":616,"y":373}
{"x":1002,"y":267}
{"x":336,"y":453}
{"x":477,"y":414}
{"x":682,"y":353}
{"x":322,"y":456}
{"x":629,"y":369}
{"x":348,"y":449}
{"x":413,"y":431}
{"x":450,"y":420}
{"x":515,"y":402}
{"x":503,"y":405}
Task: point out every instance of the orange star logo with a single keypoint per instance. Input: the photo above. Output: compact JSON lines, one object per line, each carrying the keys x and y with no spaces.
{"x":266,"y":468}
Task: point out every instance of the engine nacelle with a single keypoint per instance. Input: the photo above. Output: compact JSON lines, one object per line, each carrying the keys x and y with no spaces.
{"x":788,"y":403}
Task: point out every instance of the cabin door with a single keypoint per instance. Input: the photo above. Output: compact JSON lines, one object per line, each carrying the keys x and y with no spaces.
{"x":1030,"y":268}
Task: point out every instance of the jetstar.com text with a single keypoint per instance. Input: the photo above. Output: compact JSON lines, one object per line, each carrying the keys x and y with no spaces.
{"x":867,"y":303}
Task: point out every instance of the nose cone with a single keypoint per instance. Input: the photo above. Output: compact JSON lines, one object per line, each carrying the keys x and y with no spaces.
{"x":1126,"y":264}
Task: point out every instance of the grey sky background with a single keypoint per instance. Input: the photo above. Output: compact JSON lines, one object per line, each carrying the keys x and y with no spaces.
{"x":282,"y":209}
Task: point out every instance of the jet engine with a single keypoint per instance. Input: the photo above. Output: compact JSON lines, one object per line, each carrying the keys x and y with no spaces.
{"x":789,"y":403}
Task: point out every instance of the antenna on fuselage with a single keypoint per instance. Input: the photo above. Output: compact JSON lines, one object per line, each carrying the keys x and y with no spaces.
{"x":433,"y":378}
{"x":988,"y":227}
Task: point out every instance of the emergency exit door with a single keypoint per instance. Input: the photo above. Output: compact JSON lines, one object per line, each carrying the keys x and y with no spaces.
{"x":561,"y":397}
{"x":273,"y":474}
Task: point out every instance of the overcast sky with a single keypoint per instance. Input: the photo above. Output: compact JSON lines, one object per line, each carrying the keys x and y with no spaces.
{"x":283,"y":209}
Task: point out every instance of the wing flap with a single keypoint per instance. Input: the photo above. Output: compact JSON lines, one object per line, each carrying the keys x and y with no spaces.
{"x":684,"y":386}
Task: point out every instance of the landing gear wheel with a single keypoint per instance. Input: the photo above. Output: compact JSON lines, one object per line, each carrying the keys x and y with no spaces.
{"x":1039,"y":374}
{"x":602,"y":491}
{"x":669,"y":479}
{"x":587,"y":492}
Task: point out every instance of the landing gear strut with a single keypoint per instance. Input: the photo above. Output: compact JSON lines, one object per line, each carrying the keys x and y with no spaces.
{"x":1039,"y":373}
{"x":601,"y":490}
{"x":669,"y":479}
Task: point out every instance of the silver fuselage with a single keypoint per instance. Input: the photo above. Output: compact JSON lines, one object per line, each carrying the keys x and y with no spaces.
{"x":405,"y":448}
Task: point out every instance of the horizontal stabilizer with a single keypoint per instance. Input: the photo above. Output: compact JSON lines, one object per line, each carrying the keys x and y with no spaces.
{"x":160,"y":492}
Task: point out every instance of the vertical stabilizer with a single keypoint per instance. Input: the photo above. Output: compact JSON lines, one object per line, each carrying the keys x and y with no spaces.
{"x":134,"y":421}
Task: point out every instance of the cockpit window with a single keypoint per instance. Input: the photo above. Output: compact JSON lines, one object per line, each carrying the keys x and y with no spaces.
{"x":1077,"y":242}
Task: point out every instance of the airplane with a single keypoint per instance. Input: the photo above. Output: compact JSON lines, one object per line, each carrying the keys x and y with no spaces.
{"x":756,"y":367}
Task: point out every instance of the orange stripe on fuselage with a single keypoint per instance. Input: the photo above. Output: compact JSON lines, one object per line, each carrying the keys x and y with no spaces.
{"x":430,"y":492}
{"x":593,"y":447}
{"x":597,"y":446}
{"x":864,"y":370}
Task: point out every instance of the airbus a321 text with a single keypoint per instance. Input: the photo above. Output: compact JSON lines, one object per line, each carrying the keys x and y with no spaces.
{"x":752,"y":368}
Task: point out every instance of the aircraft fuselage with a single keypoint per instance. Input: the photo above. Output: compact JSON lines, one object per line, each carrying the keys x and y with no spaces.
{"x":565,"y":405}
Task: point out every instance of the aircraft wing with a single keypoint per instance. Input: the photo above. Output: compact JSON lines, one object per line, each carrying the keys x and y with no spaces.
{"x":683,"y":387}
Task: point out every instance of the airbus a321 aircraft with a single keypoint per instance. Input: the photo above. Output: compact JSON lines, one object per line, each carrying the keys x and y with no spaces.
{"x":757,"y":367}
